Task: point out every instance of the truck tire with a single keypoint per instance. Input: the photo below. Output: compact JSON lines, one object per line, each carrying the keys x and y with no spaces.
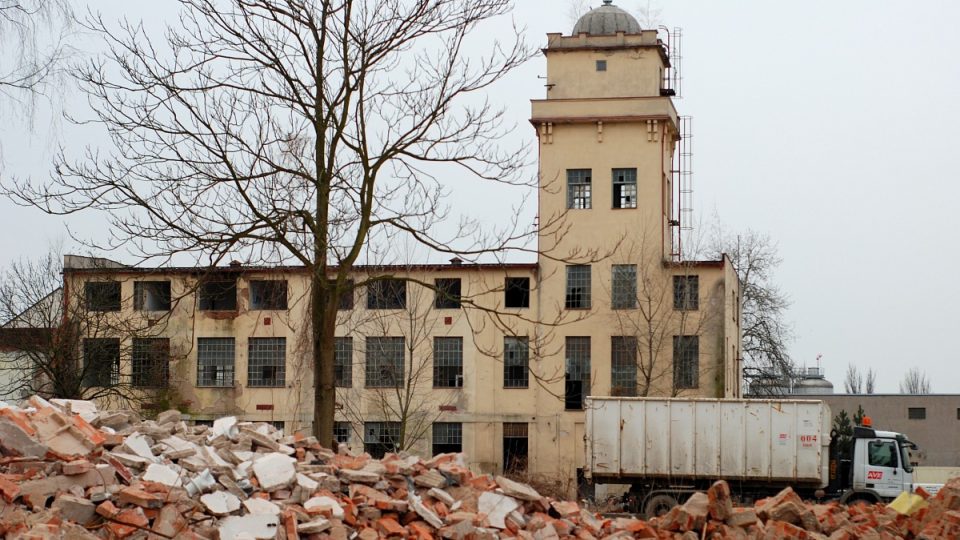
{"x":658,"y":504}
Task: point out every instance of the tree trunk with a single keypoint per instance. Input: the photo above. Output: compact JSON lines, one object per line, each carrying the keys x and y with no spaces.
{"x":323,"y":306}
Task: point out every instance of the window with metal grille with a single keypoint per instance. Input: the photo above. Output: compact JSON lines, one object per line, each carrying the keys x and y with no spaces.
{"x":515,"y":447}
{"x":151,"y":295}
{"x":447,"y":437}
{"x":384,"y":367}
{"x":150,"y":366}
{"x":267,"y":362}
{"x":517,"y":292}
{"x":516,"y":362}
{"x":686,"y":292}
{"x":447,"y":293}
{"x":624,"y":188}
{"x":346,"y":294}
{"x":686,"y":362}
{"x":341,"y":432}
{"x":917,"y":413}
{"x":447,"y":362}
{"x":218,"y":295}
{"x":624,"y":286}
{"x":578,"y":286}
{"x":102,"y":295}
{"x":268,"y":295}
{"x":101,"y":362}
{"x":215,"y":361}
{"x":387,"y":294}
{"x":380,"y":438}
{"x":577,"y":379}
{"x":623,"y":366}
{"x":578,"y":188}
{"x":343,"y":361}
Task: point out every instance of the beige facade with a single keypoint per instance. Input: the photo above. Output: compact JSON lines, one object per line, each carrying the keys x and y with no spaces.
{"x":607,"y":138}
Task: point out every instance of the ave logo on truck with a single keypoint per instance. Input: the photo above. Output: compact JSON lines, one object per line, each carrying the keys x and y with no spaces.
{"x":874,"y":475}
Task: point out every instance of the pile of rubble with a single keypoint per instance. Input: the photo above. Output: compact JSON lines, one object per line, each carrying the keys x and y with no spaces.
{"x":70,"y":471}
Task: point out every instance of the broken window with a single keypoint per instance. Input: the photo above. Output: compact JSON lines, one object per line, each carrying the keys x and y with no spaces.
{"x":686,"y":293}
{"x":150,"y":367}
{"x":448,"y":362}
{"x":686,"y":362}
{"x":215,"y":361}
{"x":384,"y":362}
{"x":341,"y":432}
{"x":267,"y":362}
{"x":268,"y":295}
{"x":379,"y":438}
{"x":515,"y":447}
{"x":624,"y":286}
{"x":447,"y":293}
{"x":219,"y":295}
{"x":623,"y":366}
{"x":447,"y":437}
{"x":578,"y":188}
{"x":516,"y":362}
{"x":517,"y":292}
{"x":101,"y":362}
{"x":151,"y":295}
{"x":102,"y":295}
{"x":387,"y":294}
{"x":624,"y":188}
{"x":577,"y":372}
{"x":343,"y":361}
{"x":578,"y":286}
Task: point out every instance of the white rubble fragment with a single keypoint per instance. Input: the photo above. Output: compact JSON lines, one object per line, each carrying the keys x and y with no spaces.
{"x":496,"y":507}
{"x":274,"y":471}
{"x":256,"y":526}
{"x":86,"y":409}
{"x":427,"y":514}
{"x":323,"y":504}
{"x":168,"y":475}
{"x":256,"y":505}
{"x":314,"y":527}
{"x":224,"y":426}
{"x":221,"y":503}
{"x":201,"y":483}
{"x":137,"y":444}
{"x":307,"y":483}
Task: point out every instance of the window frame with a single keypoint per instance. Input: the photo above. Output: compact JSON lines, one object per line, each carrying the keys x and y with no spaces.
{"x":623,"y":286}
{"x":343,"y":361}
{"x":447,"y":293}
{"x":684,"y":359}
{"x":272,"y":294}
{"x":259,"y":345}
{"x":380,"y":365}
{"x":579,"y":287}
{"x":212,"y":293}
{"x":381,"y":438}
{"x":217,"y":346}
{"x":623,"y":366}
{"x":103,"y":296}
{"x":141,"y":290}
{"x":516,"y":364}
{"x":147,"y":351}
{"x":576,"y":352}
{"x":686,"y":292}
{"x":387,"y":293}
{"x":579,"y":189}
{"x":916,"y":413}
{"x":446,"y":438}
{"x":624,"y":188}
{"x":94,"y":373}
{"x":448,"y":362}
{"x":516,"y":290}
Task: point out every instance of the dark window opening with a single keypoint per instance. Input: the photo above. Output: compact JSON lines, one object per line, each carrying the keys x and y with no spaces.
{"x":578,"y":287}
{"x":346,"y":295}
{"x":267,"y":362}
{"x":387,"y":294}
{"x":341,"y":432}
{"x":343,"y":361}
{"x":686,"y":292}
{"x":623,"y":366}
{"x":384,"y":361}
{"x":215,"y":361}
{"x":448,"y":362}
{"x":577,"y":373}
{"x":515,"y":447}
{"x":268,"y":295}
{"x":379,"y":438}
{"x":447,"y":293}
{"x":208,"y":423}
{"x":516,"y":362}
{"x":517,"y":292}
{"x":218,"y":295}
{"x":151,"y":362}
{"x":102,"y":295}
{"x":917,"y":413}
{"x":101,"y":362}
{"x":578,"y":189}
{"x":151,"y":295}
{"x":686,"y":362}
{"x":447,"y":438}
{"x":624,"y":188}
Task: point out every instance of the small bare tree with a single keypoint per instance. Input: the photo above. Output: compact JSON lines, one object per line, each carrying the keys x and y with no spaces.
{"x":304,"y":130}
{"x":853,"y":380}
{"x":915,"y":382}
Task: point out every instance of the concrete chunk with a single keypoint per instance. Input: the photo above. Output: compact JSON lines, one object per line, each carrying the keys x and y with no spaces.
{"x":15,"y":440}
{"x":163,"y":474}
{"x":496,"y":507}
{"x":517,"y":490}
{"x":220,"y":503}
{"x":274,"y":471}
{"x":255,"y":526}
{"x":262,"y":506}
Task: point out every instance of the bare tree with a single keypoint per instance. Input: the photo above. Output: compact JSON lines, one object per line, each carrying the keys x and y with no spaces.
{"x":33,"y":36}
{"x":48,"y":328}
{"x":307,"y":131}
{"x":853,"y":380}
{"x":870,"y":382}
{"x":915,"y":382}
{"x":766,"y":333}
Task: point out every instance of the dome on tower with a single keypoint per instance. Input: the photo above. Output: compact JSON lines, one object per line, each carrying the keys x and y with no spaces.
{"x":607,"y":20}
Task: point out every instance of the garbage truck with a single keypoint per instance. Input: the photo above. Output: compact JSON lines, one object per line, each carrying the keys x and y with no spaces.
{"x":668,"y":449}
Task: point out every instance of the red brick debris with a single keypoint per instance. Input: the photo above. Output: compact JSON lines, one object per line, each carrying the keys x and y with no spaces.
{"x":68,"y":470}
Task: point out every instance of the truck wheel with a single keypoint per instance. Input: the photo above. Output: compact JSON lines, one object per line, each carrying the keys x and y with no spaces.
{"x":659,"y":505}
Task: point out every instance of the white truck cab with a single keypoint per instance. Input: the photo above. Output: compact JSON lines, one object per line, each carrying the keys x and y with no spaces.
{"x":881,"y":463}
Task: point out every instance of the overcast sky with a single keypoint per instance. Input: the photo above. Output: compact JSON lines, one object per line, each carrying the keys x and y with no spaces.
{"x":831,"y":126}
